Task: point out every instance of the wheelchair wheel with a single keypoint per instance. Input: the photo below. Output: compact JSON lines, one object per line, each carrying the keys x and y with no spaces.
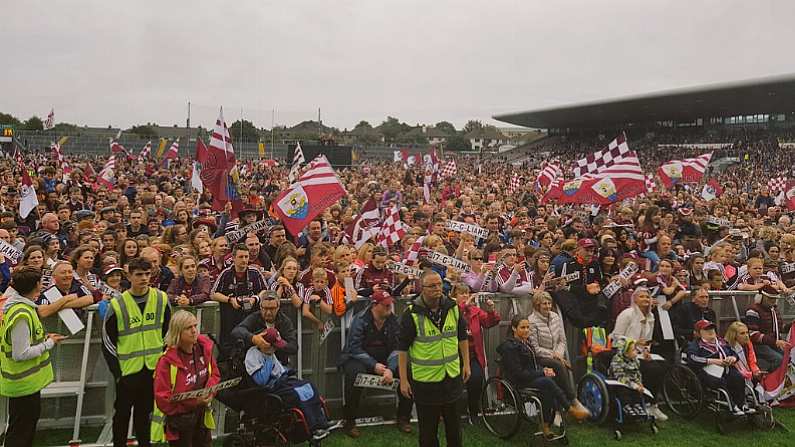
{"x":763,"y":419}
{"x":682,"y":391}
{"x":592,"y":392}
{"x":500,"y":408}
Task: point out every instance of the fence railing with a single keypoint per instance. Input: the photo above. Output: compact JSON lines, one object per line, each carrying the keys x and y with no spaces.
{"x":83,"y":392}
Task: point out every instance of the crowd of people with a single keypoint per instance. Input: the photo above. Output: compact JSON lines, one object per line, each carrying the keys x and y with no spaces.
{"x":149,"y":247}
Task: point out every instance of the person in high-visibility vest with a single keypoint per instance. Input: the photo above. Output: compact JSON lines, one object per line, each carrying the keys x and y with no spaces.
{"x":132,"y":334}
{"x":187,"y":365}
{"x":25,"y":367}
{"x":434,"y":342}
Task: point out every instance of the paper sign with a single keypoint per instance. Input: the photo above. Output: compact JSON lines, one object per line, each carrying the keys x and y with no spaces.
{"x":9,"y":251}
{"x":714,"y":370}
{"x":235,"y":236}
{"x":719,"y":222}
{"x":448,"y":261}
{"x":403,"y":269}
{"x":374,"y":381}
{"x":787,"y":268}
{"x":625,"y":273}
{"x":464,"y":227}
{"x":108,"y":290}
{"x":665,"y":319}
{"x":205,"y":391}
{"x":530,"y":408}
{"x":350,"y":290}
{"x":328,"y":326}
{"x":68,"y":316}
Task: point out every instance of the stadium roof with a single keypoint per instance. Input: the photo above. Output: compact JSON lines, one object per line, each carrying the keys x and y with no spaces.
{"x":748,"y":97}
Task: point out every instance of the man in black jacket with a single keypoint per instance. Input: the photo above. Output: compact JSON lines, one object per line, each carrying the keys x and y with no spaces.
{"x":249,"y":330}
{"x":695,"y":310}
{"x":371,"y":348}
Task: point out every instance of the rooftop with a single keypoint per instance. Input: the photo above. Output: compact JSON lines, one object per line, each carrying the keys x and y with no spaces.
{"x":764,"y":95}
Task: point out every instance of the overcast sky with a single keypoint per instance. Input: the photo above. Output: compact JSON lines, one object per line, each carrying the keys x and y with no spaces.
{"x":122,"y":63}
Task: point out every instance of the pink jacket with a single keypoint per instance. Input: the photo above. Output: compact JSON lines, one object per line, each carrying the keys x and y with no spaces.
{"x":477,"y":320}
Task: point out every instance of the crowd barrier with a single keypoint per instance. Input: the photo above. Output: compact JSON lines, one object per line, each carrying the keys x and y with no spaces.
{"x":82,"y":394}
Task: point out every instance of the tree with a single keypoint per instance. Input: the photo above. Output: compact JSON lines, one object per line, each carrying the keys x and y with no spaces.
{"x":445,"y":127}
{"x":9,"y":119}
{"x":33,"y":123}
{"x":391,"y":128}
{"x":143,"y":131}
{"x":363,"y":125}
{"x":472,"y":125}
{"x":250,"y":132}
{"x":458,"y":142}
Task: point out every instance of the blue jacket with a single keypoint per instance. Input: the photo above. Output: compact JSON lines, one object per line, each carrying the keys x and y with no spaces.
{"x":363,"y":327}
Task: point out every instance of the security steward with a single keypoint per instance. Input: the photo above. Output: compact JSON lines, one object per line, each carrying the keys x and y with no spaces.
{"x":25,"y":367}
{"x":434,"y":342}
{"x":132,"y":336}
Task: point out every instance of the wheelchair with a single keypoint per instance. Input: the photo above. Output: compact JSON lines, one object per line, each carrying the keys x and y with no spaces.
{"x":264,"y":418}
{"x":603,"y":397}
{"x":686,"y":396}
{"x":504,"y":407}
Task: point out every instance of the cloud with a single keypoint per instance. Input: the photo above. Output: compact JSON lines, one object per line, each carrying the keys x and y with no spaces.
{"x":102,"y":63}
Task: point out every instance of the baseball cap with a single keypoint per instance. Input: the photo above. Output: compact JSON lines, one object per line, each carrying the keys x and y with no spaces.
{"x":112,"y":268}
{"x":704,"y":324}
{"x":382,"y":297}
{"x":273,"y":337}
{"x":586,"y":243}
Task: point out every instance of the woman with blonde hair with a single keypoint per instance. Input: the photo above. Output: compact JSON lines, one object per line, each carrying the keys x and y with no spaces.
{"x":737,"y":336}
{"x":187,"y":365}
{"x":364,"y":256}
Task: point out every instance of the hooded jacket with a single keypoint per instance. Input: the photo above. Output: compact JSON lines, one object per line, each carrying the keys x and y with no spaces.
{"x":185,"y":381}
{"x":519,"y":362}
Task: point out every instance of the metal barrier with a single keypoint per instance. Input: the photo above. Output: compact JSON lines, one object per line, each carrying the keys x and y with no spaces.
{"x":83,"y":396}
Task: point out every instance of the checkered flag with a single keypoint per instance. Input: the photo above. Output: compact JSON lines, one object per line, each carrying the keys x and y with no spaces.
{"x":651,"y":186}
{"x":777,"y":184}
{"x":516,"y":183}
{"x":298,"y":160}
{"x":450,"y":169}
{"x":392,"y":229}
{"x":50,"y":122}
{"x":604,"y":158}
{"x":413,"y":253}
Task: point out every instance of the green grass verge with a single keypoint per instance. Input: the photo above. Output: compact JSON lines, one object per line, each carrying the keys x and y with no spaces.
{"x":700,"y":432}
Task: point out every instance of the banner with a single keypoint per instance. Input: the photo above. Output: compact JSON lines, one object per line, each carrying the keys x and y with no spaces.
{"x":625,"y":274}
{"x":9,"y":251}
{"x":404,"y":269}
{"x":235,"y":236}
{"x":447,"y":261}
{"x":464,"y":227}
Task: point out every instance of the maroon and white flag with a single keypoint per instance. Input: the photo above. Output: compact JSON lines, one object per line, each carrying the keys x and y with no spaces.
{"x":689,"y":170}
{"x":450,"y":169}
{"x":392,"y":229}
{"x":604,"y":158}
{"x":50,"y":122}
{"x":144,"y":154}
{"x":28,"y":199}
{"x":515,"y":184}
{"x":172,"y":153}
{"x":622,"y":180}
{"x":548,"y":175}
{"x":364,"y":225}
{"x":115,"y":146}
{"x":106,"y":176}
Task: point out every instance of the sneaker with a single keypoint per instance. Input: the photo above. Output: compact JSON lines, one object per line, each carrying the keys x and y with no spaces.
{"x":319,"y":434}
{"x":658,"y":414}
{"x":737,"y":411}
{"x":748,"y":410}
{"x":404,"y":425}
{"x":351,"y":430}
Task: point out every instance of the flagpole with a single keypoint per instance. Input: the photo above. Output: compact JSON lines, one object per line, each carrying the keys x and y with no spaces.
{"x":188,"y":124}
{"x":273,"y":126}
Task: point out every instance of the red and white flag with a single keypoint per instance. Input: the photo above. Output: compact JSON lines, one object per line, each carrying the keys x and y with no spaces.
{"x":651,"y":185}
{"x":115,"y":146}
{"x":58,"y":156}
{"x":712,"y":190}
{"x":49,"y":123}
{"x":392,"y":229}
{"x":777,"y":184}
{"x":28,"y":199}
{"x":622,"y":180}
{"x":689,"y":170}
{"x":172,"y":153}
{"x":408,"y":160}
{"x":779,"y":384}
{"x":199,"y":160}
{"x":450,"y":169}
{"x":317,"y":189}
{"x":548,"y":175}
{"x":789,"y":195}
{"x":106,"y":176}
{"x":215,"y":174}
{"x":364,"y":225}
{"x":603,"y":158}
{"x":298,"y":160}
{"x":143,"y":156}
{"x":515,"y":184}
{"x":413,"y":253}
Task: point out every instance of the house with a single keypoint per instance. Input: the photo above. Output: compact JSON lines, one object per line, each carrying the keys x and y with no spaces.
{"x":486,"y":138}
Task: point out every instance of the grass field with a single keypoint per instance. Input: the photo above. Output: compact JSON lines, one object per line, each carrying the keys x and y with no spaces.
{"x":675,"y":432}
